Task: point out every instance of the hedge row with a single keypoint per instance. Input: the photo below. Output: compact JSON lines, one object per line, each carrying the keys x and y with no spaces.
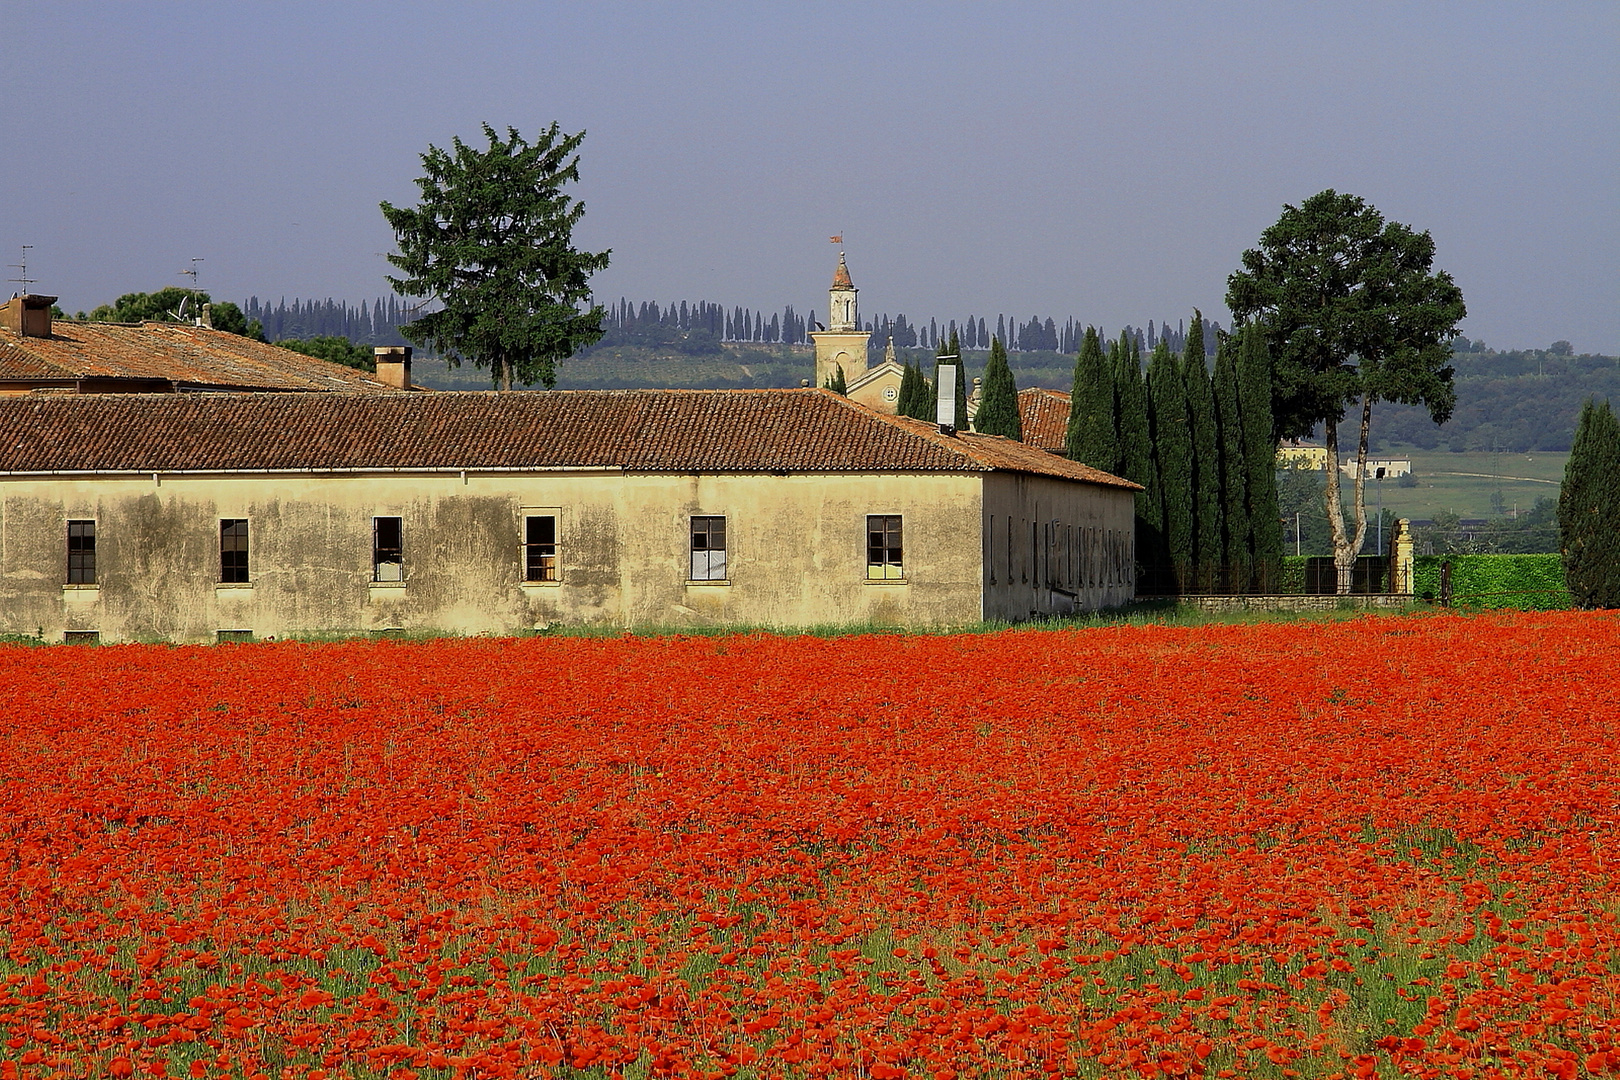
{"x":1529,"y":582}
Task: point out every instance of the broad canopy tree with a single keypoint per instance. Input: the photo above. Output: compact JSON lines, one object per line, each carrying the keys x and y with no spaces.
{"x":491,"y":243}
{"x":1352,"y":314}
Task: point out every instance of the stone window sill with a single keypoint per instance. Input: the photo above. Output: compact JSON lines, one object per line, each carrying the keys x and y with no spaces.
{"x":386,"y":584}
{"x":232,"y":586}
{"x":694,"y":583}
{"x":888,"y":581}
{"x":80,"y":590}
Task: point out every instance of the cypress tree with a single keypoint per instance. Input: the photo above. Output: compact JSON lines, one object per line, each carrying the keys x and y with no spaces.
{"x":916,"y":395}
{"x":1589,"y":510}
{"x":837,"y":383}
{"x":1092,"y":436}
{"x":927,"y":407}
{"x":1206,"y":459}
{"x":998,"y":407}
{"x":1260,"y":460}
{"x":1136,"y":449}
{"x":905,"y":403}
{"x":1135,"y":461}
{"x":1236,"y":554}
{"x":1173,"y":466}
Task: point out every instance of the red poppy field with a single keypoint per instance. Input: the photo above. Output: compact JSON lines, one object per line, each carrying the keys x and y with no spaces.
{"x":1379,"y":847}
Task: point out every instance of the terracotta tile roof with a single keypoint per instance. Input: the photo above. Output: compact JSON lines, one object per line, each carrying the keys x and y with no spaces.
{"x":190,"y":356}
{"x":841,"y":275}
{"x":638,"y":430}
{"x":1045,"y":418}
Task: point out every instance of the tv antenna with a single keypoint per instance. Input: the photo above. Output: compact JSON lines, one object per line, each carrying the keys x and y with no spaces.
{"x":22,"y":269}
{"x":180,"y":313}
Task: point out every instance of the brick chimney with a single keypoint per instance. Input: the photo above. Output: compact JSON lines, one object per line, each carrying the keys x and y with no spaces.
{"x":393,"y":365}
{"x":28,"y":315}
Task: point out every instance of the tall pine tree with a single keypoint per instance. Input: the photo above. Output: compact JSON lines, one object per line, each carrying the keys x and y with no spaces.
{"x":906,"y":403}
{"x":1236,"y":556}
{"x":1173,"y":468}
{"x":1589,"y":510}
{"x":1260,"y":460}
{"x":1206,"y":459}
{"x":1093,"y":435}
{"x":998,"y":404}
{"x":1136,"y":448}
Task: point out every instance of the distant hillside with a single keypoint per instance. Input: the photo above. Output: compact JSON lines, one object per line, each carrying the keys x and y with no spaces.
{"x":1513,"y":401}
{"x":1507,"y":402}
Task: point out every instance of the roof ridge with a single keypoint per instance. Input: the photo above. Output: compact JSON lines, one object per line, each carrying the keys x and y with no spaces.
{"x":746,"y":431}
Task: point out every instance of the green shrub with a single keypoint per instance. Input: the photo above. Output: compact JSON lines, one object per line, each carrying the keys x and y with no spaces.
{"x":1527,"y":582}
{"x":1293,"y":573}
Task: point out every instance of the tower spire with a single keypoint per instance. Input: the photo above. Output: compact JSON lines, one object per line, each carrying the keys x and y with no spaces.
{"x":842,"y":316}
{"x":842,"y":344}
{"x":841,"y":275}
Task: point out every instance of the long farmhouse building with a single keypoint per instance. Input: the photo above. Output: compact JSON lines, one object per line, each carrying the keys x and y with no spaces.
{"x":194,"y":517}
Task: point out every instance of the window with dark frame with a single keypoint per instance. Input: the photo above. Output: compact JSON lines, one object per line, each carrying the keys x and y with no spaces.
{"x":708,"y":549}
{"x":387,"y":549}
{"x":81,"y":552}
{"x":540,"y":547}
{"x":233,"y":551}
{"x":884,"y":551}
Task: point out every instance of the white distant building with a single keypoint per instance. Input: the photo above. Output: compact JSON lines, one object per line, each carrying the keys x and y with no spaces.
{"x":1392,"y":467}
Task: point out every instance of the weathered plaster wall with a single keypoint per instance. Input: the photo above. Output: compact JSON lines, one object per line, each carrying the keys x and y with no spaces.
{"x":796,"y":552}
{"x":839,"y":349}
{"x":1051,"y":547}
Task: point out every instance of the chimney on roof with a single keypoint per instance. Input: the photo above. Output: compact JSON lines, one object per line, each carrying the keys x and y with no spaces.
{"x":207,"y":319}
{"x":393,"y":365}
{"x":28,"y":315}
{"x":945,"y":411}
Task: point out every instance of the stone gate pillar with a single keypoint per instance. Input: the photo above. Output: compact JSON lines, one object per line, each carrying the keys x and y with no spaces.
{"x":1400,"y":558}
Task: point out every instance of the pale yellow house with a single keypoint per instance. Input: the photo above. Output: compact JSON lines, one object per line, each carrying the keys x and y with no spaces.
{"x":194,"y":517}
{"x":1293,"y":454}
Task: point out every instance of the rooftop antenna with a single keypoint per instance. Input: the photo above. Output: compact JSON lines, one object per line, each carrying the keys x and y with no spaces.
{"x":179,"y":314}
{"x":22,"y":268}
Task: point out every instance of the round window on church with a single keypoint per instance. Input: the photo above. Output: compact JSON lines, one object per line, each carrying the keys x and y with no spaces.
{"x":890,"y":393}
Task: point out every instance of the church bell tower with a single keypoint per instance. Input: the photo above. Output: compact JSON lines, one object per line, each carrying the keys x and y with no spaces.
{"x":842,"y":344}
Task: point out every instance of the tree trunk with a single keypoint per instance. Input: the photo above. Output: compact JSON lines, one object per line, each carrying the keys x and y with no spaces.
{"x":1346,"y":548}
{"x":1343,"y":560}
{"x":506,"y":374}
{"x":1361,"y":478}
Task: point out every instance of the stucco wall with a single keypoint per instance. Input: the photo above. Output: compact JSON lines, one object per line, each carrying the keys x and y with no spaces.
{"x":1051,"y":547}
{"x":835,"y":350}
{"x":881,"y":393}
{"x":796,"y":552}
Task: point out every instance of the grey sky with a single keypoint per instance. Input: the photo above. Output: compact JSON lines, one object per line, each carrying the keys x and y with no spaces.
{"x":1107,"y":161}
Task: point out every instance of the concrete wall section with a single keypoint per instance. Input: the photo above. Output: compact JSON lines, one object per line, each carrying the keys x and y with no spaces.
{"x":796,"y":552}
{"x":1053,"y":547}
